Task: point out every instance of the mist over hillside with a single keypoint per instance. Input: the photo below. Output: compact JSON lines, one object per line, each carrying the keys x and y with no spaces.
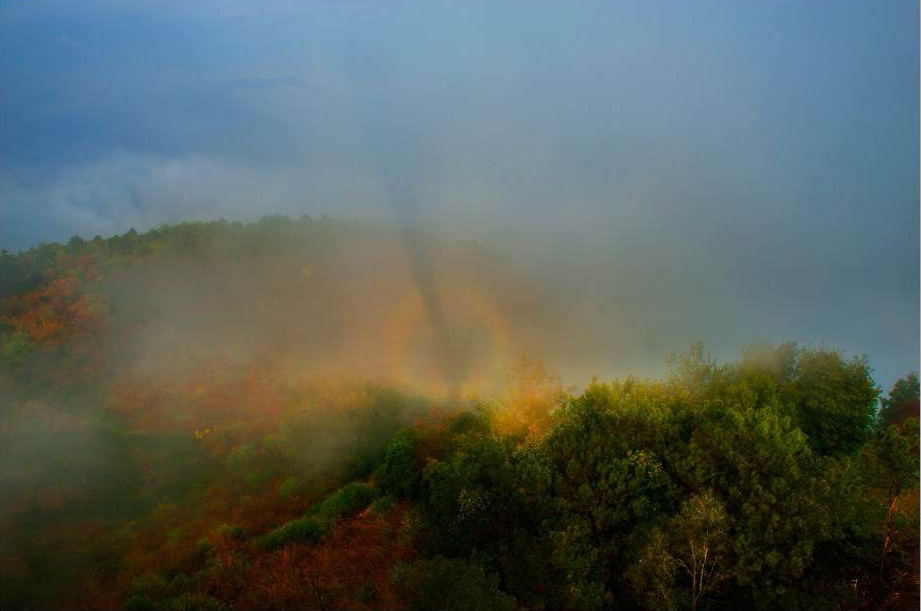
{"x":324,"y":298}
{"x":507,"y":305}
{"x":664,"y":175}
{"x":190,"y":413}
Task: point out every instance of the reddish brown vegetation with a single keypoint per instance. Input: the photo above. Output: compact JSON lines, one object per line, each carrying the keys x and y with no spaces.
{"x":57,"y":310}
{"x":349,"y":570}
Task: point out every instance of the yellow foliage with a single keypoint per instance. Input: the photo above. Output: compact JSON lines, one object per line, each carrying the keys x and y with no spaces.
{"x":532,"y":395}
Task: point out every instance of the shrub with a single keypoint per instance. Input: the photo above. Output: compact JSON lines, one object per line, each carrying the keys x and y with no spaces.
{"x":194,"y":601}
{"x":401,"y":472}
{"x":240,"y":457}
{"x":348,"y":499}
{"x":308,"y":529}
{"x":152,"y":591}
{"x":320,"y":518}
{"x":152,"y":586}
{"x":203,"y":550}
{"x":16,"y":350}
{"x":381,"y":505}
{"x":451,"y":584}
{"x":139,"y":603}
{"x":289,"y":487}
{"x":230,"y":531}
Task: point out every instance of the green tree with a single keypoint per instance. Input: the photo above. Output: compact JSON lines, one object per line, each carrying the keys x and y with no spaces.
{"x":607,"y":448}
{"x":490,"y":501}
{"x":902,"y":401}
{"x":694,"y":371}
{"x":761,"y":468}
{"x":401,"y":472}
{"x":693,"y":546}
{"x":652,"y":578}
{"x":449,"y":584}
{"x":834,"y":399}
{"x":891,"y":460}
{"x":701,"y":530}
{"x":481,"y":494}
{"x":75,"y":244}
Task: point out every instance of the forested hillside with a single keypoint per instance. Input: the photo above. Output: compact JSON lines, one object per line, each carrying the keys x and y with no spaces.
{"x":315,"y":414}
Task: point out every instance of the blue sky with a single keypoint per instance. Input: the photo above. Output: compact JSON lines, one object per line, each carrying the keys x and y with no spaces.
{"x":725,"y":171}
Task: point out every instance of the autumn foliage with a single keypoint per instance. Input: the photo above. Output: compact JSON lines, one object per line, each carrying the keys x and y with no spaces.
{"x":159,"y":452}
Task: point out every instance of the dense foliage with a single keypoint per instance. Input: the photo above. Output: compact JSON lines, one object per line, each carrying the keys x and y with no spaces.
{"x":771,"y":482}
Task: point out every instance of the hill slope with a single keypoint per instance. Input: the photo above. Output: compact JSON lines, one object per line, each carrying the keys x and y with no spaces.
{"x":318,"y":414}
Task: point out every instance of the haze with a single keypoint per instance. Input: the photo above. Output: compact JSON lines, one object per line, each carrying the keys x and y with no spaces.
{"x":666,"y":173}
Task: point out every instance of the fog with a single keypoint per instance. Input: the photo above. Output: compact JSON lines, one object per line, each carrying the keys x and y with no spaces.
{"x":310,"y":226}
{"x":655,"y":175}
{"x":330,"y":300}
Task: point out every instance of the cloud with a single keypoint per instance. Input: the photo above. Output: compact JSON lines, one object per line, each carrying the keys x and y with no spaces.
{"x":126,"y":189}
{"x":673,"y":184}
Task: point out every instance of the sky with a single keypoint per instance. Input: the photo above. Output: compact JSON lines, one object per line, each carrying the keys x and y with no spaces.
{"x":724,"y":171}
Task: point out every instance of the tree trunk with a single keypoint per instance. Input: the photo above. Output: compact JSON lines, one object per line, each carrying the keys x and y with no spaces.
{"x":893,"y":505}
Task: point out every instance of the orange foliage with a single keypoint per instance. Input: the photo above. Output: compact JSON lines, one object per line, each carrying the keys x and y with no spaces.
{"x":54,"y":311}
{"x":349,"y":570}
{"x":532,"y":396}
{"x":196,"y":398}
